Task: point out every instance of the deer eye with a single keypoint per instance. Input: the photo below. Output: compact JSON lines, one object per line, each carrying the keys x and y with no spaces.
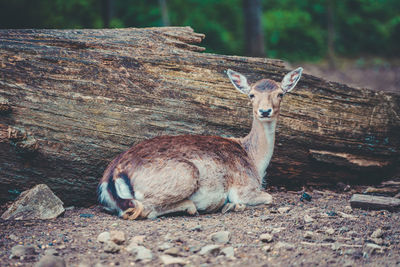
{"x":280,"y":95}
{"x":251,"y":96}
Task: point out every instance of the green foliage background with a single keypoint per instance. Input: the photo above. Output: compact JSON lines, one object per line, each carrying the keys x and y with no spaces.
{"x":294,"y":29}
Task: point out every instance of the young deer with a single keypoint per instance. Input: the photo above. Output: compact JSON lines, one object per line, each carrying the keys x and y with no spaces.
{"x":191,"y":173}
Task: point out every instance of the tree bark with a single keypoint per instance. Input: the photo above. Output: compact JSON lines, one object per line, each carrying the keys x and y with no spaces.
{"x":71,"y":100}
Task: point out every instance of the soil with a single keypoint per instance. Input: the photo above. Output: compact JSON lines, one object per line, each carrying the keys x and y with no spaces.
{"x":337,"y":236}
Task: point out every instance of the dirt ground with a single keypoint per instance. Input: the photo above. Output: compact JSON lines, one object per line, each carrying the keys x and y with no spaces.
{"x":322,"y":232}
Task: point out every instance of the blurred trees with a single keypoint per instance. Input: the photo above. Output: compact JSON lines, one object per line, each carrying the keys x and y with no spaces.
{"x":293,"y":29}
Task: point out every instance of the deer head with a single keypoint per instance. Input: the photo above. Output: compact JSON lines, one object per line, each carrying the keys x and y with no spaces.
{"x":266,"y":95}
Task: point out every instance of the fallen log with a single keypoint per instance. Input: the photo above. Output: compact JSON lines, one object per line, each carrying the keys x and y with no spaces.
{"x":71,"y":100}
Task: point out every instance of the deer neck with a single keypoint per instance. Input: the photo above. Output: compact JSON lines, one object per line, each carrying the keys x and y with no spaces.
{"x":259,"y":144}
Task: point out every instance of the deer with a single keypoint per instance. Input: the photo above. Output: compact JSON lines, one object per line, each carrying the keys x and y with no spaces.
{"x":192,"y":174}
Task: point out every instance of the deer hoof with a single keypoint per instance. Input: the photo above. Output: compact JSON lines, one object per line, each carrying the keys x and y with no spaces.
{"x":133,"y":213}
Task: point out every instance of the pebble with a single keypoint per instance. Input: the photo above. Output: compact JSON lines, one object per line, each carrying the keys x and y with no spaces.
{"x":173,"y":251}
{"x":268,"y":238}
{"x":51,"y":261}
{"x":283,"y":210}
{"x":169,"y":260}
{"x":13,"y":237}
{"x":19,"y":251}
{"x":378,"y":241}
{"x":210,"y":249}
{"x":221,"y":237}
{"x":118,"y":237}
{"x":308,"y":218}
{"x":309,"y":235}
{"x":164,"y":246}
{"x":265,"y":218}
{"x":103,"y":237}
{"x":267,"y":248}
{"x":197,"y":228}
{"x":228,"y":252}
{"x":139,"y":252}
{"x":372,"y":248}
{"x":284,"y":245}
{"x":139,"y":239}
{"x":378,"y":233}
{"x":111,"y":247}
{"x":330,"y":231}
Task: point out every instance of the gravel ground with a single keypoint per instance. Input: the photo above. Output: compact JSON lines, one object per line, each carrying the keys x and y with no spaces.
{"x":322,"y":232}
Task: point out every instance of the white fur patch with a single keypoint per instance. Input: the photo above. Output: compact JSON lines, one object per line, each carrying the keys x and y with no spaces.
{"x":105,"y":199}
{"x":233,"y":196}
{"x":139,"y":195}
{"x":122,"y":189}
{"x":203,"y":198}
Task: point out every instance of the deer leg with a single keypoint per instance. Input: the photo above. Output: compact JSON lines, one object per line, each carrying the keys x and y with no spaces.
{"x":134,"y":212}
{"x":182,"y":206}
{"x":233,"y":207}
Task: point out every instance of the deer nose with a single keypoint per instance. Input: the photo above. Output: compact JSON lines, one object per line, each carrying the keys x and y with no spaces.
{"x":265,"y":113}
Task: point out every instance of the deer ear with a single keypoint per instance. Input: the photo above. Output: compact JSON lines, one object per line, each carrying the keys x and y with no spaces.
{"x":290,"y":80}
{"x":239,"y":81}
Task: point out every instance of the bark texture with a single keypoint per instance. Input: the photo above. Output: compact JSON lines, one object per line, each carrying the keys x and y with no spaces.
{"x":71,"y":100}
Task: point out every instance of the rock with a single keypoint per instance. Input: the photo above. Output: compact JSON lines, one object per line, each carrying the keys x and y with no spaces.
{"x":38,"y":202}
{"x":13,"y":237}
{"x":378,"y":233}
{"x":51,"y":251}
{"x":372,"y":248}
{"x":210,"y":250}
{"x":221,"y":237}
{"x":309,"y":235}
{"x":20,"y":251}
{"x":330,"y":231}
{"x":118,"y":237}
{"x":266,"y":248}
{"x":165,"y":246}
{"x":348,"y":209}
{"x":169,"y":260}
{"x":103,"y":237}
{"x":345,"y":215}
{"x":378,"y":241}
{"x":283,"y":210}
{"x":308,"y":218}
{"x":111,"y":247}
{"x":284,"y":245}
{"x":265,"y":218}
{"x":173,"y":251}
{"x":139,"y":252}
{"x":197,"y":228}
{"x":51,"y":261}
{"x":268,"y":238}
{"x":336,"y":246}
{"x":228,"y":252}
{"x":139,"y":239}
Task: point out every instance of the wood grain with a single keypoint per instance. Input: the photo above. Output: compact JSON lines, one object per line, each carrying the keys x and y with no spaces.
{"x":71,"y":100}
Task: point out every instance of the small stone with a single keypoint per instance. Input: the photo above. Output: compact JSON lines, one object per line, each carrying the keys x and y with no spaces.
{"x":265,"y":218}
{"x":19,"y":251}
{"x":377,"y":233}
{"x":51,"y":251}
{"x":51,"y":261}
{"x":111,"y":247}
{"x":336,"y":246}
{"x":284,"y":245}
{"x":139,"y":239}
{"x":268,"y":238}
{"x":173,"y":251}
{"x":197,"y":228}
{"x":309,"y":235}
{"x":372,"y":248}
{"x":348,"y":209}
{"x":266,"y":248}
{"x":210,"y":250}
{"x":345,"y":215}
{"x":228,"y":252}
{"x":283,"y":210}
{"x":308,"y":218}
{"x":165,"y":246}
{"x":36,"y":203}
{"x":13,"y":237}
{"x":118,"y":237}
{"x":221,"y":237}
{"x":169,"y":260}
{"x":139,"y":252}
{"x":378,"y":241}
{"x":330,"y":231}
{"x":103,"y":237}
